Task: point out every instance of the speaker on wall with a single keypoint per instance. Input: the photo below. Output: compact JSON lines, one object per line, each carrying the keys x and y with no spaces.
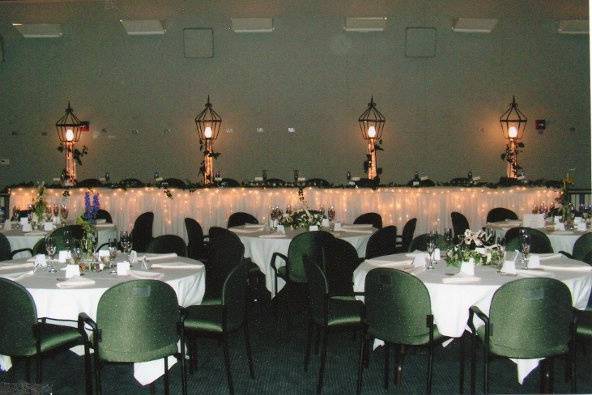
{"x":198,"y":43}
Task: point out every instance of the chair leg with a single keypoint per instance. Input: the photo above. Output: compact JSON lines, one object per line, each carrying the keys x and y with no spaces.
{"x":473,"y":361}
{"x":227,"y":364}
{"x":308,"y":341}
{"x":166,"y":376}
{"x":87,"y":370}
{"x":398,"y":364}
{"x":361,"y":362}
{"x":386,"y":364}
{"x":485,"y":370}
{"x":317,"y":338}
{"x":28,"y":369}
{"x":183,"y":366}
{"x":39,"y":374}
{"x":98,"y":367}
{"x":323,"y":360}
{"x":430,"y":366}
{"x":249,"y":353}
{"x":461,"y":381}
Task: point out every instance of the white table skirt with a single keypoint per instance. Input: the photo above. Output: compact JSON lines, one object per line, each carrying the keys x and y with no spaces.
{"x":53,"y":302}
{"x":451,"y":302}
{"x":19,"y":239}
{"x":213,"y":206}
{"x":261,"y":249}
{"x":560,"y":240}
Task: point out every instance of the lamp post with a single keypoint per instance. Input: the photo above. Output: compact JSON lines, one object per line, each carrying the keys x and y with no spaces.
{"x":371,"y":123}
{"x":69,"y":128}
{"x":208,"y":127}
{"x":513,"y":123}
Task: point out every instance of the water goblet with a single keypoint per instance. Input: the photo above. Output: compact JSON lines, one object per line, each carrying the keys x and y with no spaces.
{"x":525,"y":249}
{"x":431,"y":247}
{"x":331,"y":214}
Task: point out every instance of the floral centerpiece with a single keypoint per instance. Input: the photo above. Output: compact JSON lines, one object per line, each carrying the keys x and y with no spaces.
{"x":302,"y":218}
{"x":566,"y":208}
{"x":39,"y":205}
{"x":480,"y":247}
{"x":87,"y":221}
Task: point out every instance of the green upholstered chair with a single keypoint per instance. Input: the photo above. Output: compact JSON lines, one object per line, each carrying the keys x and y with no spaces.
{"x":581,"y":248}
{"x":406,"y":236}
{"x":196,"y":246}
{"x":22,"y":334}
{"x":420,"y":242}
{"x":382,"y":242}
{"x":459,"y":223}
{"x":225,"y":253}
{"x":340,"y":259}
{"x":373,"y":219}
{"x":584,"y":317}
{"x":6,"y":253}
{"x":539,"y":242}
{"x":167,"y":244}
{"x":142,"y":231}
{"x":398,"y":311}
{"x":500,"y":214}
{"x":221,"y":320}
{"x":327,"y":314}
{"x":528,"y":318}
{"x":137,"y":321}
{"x":241,"y":218}
{"x":73,"y":232}
{"x":104,"y":214}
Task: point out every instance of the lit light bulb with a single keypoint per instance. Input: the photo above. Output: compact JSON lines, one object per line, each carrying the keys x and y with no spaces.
{"x":69,"y":135}
{"x":512,"y":132}
{"x":208,"y":132}
{"x":371,"y":132}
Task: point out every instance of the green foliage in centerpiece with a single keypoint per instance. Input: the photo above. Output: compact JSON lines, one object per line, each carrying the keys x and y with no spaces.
{"x":87,"y":221}
{"x":478,"y":246}
{"x":302,"y":218}
{"x":39,"y":205}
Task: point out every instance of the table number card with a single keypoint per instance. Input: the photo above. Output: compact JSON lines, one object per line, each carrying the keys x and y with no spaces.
{"x":123,"y":268}
{"x":72,"y":271}
{"x":63,"y":256}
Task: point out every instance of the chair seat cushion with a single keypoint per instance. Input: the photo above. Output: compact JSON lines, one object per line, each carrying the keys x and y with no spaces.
{"x":212,"y":300}
{"x":409,"y":340}
{"x":204,"y":318}
{"x":282,"y":272}
{"x":584,"y":327}
{"x":344,"y":312}
{"x":522,"y":353}
{"x":54,"y":336}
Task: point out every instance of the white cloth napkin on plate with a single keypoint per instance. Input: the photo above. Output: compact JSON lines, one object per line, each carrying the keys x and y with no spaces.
{"x":75,"y":282}
{"x":544,"y":257}
{"x":35,"y":233}
{"x":567,"y":267}
{"x":533,"y":273}
{"x":254,"y":226}
{"x":356,"y":226}
{"x":390,"y":262}
{"x":159,"y":257}
{"x":562,"y":232}
{"x":17,"y":276}
{"x":273,"y":236}
{"x":145,"y":275}
{"x":176,"y":265}
{"x":12,"y":266}
{"x":460,"y":279}
{"x":363,"y":231}
{"x":243,"y":230}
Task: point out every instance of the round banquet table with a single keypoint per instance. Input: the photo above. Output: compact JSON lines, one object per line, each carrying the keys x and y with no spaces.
{"x":67,"y":303}
{"x":561,"y":240}
{"x":451,"y":301}
{"x":260,"y":245}
{"x":19,"y":239}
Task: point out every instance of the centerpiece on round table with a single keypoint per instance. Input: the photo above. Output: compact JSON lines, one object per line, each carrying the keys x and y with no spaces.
{"x":303,"y":218}
{"x":88,"y":220}
{"x":39,"y":207}
{"x":475,"y":248}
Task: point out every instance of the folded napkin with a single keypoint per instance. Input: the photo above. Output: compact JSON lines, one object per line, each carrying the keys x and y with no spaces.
{"x":544,"y":257}
{"x":243,"y":230}
{"x":145,"y":275}
{"x":415,"y":253}
{"x":104,"y":225}
{"x":533,"y":273}
{"x":35,"y":233}
{"x":273,"y":236}
{"x":176,"y":265}
{"x":460,"y":279}
{"x":17,"y":276}
{"x":75,"y":282}
{"x":386,"y":262}
{"x":253,"y":226}
{"x":564,"y":267}
{"x":159,"y":257}
{"x":364,"y":231}
{"x":100,"y":221}
{"x":562,"y":232}
{"x":30,"y":263}
{"x":356,"y":226}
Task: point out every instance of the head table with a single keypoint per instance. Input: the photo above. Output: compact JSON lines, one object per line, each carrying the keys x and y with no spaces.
{"x":451,"y":301}
{"x":188,"y":281}
{"x":212,"y":206}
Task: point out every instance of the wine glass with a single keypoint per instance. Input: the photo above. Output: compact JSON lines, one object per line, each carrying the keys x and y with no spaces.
{"x":64,"y":213}
{"x":126,"y":242}
{"x":76,"y":252}
{"x":67,"y":240}
{"x":449,"y":236}
{"x":331,"y":214}
{"x":431,"y":247}
{"x":524,"y":247}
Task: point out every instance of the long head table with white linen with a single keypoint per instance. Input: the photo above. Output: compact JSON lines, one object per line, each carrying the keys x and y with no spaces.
{"x":260,"y":245}
{"x":452,"y":296}
{"x":60,"y":299}
{"x":212,"y":206}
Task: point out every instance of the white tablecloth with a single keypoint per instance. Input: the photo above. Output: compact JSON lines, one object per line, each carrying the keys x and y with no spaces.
{"x":560,"y":240}
{"x":53,"y":302}
{"x":451,"y":302}
{"x":213,"y":206}
{"x":260,"y":249}
{"x":19,"y":239}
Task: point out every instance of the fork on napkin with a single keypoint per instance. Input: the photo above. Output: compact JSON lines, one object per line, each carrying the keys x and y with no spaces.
{"x":272,"y":236}
{"x":75,"y":282}
{"x":141,"y":274}
{"x":12,"y":266}
{"x":17,"y":276}
{"x":460,"y":279}
{"x":175,"y":265}
{"x":243,"y":230}
{"x":158,"y":257}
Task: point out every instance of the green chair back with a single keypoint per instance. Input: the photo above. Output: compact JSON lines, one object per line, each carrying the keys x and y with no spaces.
{"x":59,"y":235}
{"x":138,"y":321}
{"x":241,"y":218}
{"x":307,"y":243}
{"x":407,"y":235}
{"x":420,"y":242}
{"x":382,"y":242}
{"x":166,"y":244}
{"x":225,"y":253}
{"x":500,"y":214}
{"x":234,"y":297}
{"x":318,"y":291}
{"x":397,"y":306}
{"x":196,"y":248}
{"x":18,"y":314}
{"x":459,"y":223}
{"x":5,"y":248}
{"x":539,"y":242}
{"x":39,"y":247}
{"x":340,"y":259}
{"x":373,"y":219}
{"x":142,"y":231}
{"x":530,"y":318}
{"x":582,"y":246}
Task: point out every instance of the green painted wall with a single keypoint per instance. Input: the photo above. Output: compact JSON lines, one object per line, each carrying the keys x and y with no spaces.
{"x":442,"y":113}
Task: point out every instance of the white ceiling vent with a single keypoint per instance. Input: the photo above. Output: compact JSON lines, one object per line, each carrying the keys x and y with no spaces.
{"x":252,"y":25}
{"x":39,"y":30}
{"x":145,"y":27}
{"x":365,"y":24}
{"x":573,"y":26}
{"x":474,"y":25}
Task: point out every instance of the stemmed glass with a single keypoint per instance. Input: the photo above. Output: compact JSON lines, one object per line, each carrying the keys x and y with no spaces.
{"x":64,"y":213}
{"x":76,"y":252}
{"x":431,"y":247}
{"x":524,"y":247}
{"x":51,"y":248}
{"x":331,"y":214}
{"x":67,"y":240}
{"x":126,"y":242}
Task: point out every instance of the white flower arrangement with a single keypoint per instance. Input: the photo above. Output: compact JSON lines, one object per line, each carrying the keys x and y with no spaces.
{"x":479,"y":246}
{"x":302,"y":218}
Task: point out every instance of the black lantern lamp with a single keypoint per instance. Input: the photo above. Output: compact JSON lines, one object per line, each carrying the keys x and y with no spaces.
{"x":513,"y":123}
{"x":208,"y":124}
{"x":371,"y":124}
{"x":69,"y":129}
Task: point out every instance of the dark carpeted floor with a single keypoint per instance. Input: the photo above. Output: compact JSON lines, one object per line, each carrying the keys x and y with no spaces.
{"x":279,"y":355}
